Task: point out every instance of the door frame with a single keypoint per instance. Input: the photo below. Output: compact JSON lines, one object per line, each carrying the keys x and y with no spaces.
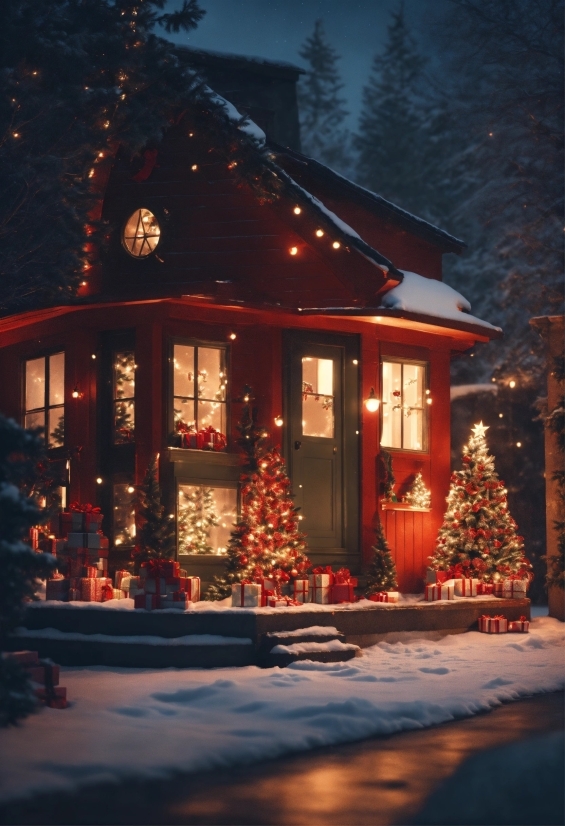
{"x":294,"y":339}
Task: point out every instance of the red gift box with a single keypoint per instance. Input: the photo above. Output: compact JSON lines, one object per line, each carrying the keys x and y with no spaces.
{"x":147,"y":601}
{"x":107,"y":592}
{"x":70,"y":522}
{"x":493,"y":625}
{"x":160,"y":568}
{"x":384,"y":596}
{"x":342,"y":592}
{"x":484,"y":588}
{"x":497,"y":589}
{"x":34,"y":538}
{"x":210,"y":439}
{"x":521,"y":626}
{"x":119,"y":576}
{"x":92,"y":522}
{"x":191,"y":586}
{"x":266,"y":595}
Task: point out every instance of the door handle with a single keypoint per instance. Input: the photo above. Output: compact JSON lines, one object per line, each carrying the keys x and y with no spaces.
{"x":335,"y":449}
{"x":297,"y":444}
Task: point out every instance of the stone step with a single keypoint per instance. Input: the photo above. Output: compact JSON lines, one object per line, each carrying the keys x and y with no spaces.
{"x":312,"y":633}
{"x":327,"y":651}
{"x":191,"y":651}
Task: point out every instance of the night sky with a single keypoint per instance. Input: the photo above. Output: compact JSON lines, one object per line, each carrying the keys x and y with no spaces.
{"x":276,"y":29}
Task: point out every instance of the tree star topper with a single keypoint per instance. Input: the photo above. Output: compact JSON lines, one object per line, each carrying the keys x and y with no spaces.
{"x":479,"y":430}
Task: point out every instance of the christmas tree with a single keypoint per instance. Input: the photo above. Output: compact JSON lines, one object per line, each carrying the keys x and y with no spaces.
{"x":196,"y":517}
{"x":381,"y":575}
{"x":478,"y":535}
{"x":321,"y":108}
{"x":21,"y":452}
{"x":419,"y":496}
{"x":266,"y":540}
{"x":156,"y":535}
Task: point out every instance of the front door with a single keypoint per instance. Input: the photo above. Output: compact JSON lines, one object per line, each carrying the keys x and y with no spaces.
{"x":322,"y":442}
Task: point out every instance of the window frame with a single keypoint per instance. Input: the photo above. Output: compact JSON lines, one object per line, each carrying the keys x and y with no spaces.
{"x":138,"y":210}
{"x":425,"y":413}
{"x":196,"y":342}
{"x":47,"y":407}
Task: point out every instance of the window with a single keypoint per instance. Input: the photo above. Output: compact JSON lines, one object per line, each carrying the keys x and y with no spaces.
{"x":124,"y":514}
{"x":206,"y":516}
{"x":403,"y":409}
{"x":199,"y":387}
{"x":123,"y":397}
{"x":45,"y":397}
{"x":141,"y":233}
{"x":317,"y":397}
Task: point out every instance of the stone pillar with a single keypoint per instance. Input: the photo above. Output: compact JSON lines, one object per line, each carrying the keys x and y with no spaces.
{"x":552,"y":331}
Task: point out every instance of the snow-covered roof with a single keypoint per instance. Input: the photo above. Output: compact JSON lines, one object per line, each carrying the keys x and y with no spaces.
{"x":426,"y":296}
{"x":243,"y":122}
{"x":252,"y":60}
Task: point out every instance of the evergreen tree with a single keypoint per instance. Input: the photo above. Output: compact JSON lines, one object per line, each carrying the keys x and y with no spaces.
{"x":381,"y":575}
{"x":197,"y":516}
{"x":392,"y":134}
{"x":156,"y":535}
{"x":478,"y":535}
{"x":322,"y":109}
{"x":419,"y":496}
{"x":266,"y":538}
{"x":21,"y":451}
{"x":555,"y":422}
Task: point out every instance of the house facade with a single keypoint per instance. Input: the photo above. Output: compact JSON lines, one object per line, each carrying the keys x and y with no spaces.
{"x":318,"y":300}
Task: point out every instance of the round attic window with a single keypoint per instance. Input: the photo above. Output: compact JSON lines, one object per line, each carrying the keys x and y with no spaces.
{"x":141,"y":233}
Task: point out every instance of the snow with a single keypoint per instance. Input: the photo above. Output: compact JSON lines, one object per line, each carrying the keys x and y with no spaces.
{"x":189,"y":639}
{"x":156,"y":722}
{"x":313,"y":647}
{"x":251,"y":129}
{"x":459,"y":391}
{"x":426,"y":296}
{"x":311,"y":631}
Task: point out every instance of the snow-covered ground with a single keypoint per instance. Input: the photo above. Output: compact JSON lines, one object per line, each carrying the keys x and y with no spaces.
{"x":126,"y":722}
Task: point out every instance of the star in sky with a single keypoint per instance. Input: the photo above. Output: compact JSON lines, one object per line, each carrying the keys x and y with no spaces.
{"x":479,"y":430}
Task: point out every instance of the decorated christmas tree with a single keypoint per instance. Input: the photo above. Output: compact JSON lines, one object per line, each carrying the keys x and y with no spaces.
{"x":156,"y":535}
{"x":419,"y":496}
{"x":266,"y":540}
{"x":196,"y":517}
{"x":478,"y":536}
{"x":381,"y":575}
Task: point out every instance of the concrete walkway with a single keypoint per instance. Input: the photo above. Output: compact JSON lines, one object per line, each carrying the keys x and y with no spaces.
{"x":378,"y":781}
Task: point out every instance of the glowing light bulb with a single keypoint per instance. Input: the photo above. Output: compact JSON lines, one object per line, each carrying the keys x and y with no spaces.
{"x":293,"y":250}
{"x":232,"y":336}
{"x":297,"y":210}
{"x":512,"y":384}
{"x":336,"y":245}
{"x":194,"y":167}
{"x":319,"y":232}
{"x":99,"y":480}
{"x":372,"y":403}
{"x":518,"y":444}
{"x":355,"y":361}
{"x":131,"y":489}
{"x":428,"y":400}
{"x":279,"y":421}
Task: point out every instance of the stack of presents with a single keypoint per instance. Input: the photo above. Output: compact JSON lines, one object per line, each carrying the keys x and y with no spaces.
{"x":323,"y":587}
{"x":162,"y":584}
{"x":44,"y":676}
{"x":441,"y":587}
{"x":82,"y":553}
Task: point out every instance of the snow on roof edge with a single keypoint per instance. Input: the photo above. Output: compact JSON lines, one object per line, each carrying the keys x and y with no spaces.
{"x":244,"y":122}
{"x":256,"y":59}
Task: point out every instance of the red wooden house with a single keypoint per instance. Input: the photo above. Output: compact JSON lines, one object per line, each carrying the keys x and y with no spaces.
{"x":319,"y":299}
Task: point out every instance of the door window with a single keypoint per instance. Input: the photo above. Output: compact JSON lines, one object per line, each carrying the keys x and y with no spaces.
{"x":317,"y":397}
{"x":199,"y":386}
{"x":45,"y":397}
{"x":403,"y":416}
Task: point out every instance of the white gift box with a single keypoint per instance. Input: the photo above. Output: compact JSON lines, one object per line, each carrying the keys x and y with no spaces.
{"x":514,"y":588}
{"x":301,"y":592}
{"x":436,"y":592}
{"x":320,"y":588}
{"x":466,"y":587}
{"x":246,"y":595}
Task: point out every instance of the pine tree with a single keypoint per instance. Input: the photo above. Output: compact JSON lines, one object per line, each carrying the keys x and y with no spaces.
{"x":266,"y":538}
{"x":392,"y":125}
{"x":322,"y":109}
{"x":21,"y":451}
{"x":197,"y":516}
{"x":381,"y":575}
{"x":419,"y":496}
{"x":156,"y":535}
{"x":478,"y":535}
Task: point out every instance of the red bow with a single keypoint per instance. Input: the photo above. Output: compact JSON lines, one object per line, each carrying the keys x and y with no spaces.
{"x":88,"y":508}
{"x":322,"y":570}
{"x":342,"y":576}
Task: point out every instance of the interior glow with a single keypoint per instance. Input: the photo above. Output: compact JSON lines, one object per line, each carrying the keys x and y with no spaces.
{"x":141,"y":233}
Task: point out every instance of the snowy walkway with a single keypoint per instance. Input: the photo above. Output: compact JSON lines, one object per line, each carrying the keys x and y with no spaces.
{"x":144,"y":722}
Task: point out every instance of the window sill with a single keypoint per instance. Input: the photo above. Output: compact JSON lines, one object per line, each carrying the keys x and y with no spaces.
{"x":402,"y":506}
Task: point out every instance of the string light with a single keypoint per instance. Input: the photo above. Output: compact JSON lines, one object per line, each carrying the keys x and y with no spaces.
{"x":232,"y":336}
{"x":512,"y":384}
{"x":355,"y":361}
{"x":279,"y":421}
{"x":297,"y":210}
{"x":93,"y":356}
{"x":501,"y":415}
{"x":131,"y":489}
{"x":76,"y":394}
{"x":99,"y":480}
{"x":293,"y":250}
{"x":336,"y":245}
{"x":319,"y":232}
{"x":194,"y":167}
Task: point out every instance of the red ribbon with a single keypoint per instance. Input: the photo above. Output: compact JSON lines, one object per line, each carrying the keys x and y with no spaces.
{"x":342,"y":576}
{"x":157,"y":567}
{"x":88,"y":508}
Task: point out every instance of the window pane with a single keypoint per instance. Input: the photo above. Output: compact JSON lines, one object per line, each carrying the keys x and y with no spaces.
{"x":392,"y":404}
{"x":206,"y":517}
{"x":212,"y":414}
{"x":141,"y":233}
{"x":56,"y":426}
{"x":35,"y":384}
{"x":413,"y":431}
{"x":35,"y":419}
{"x":211,"y":375}
{"x":124,"y":375}
{"x":413,"y":375}
{"x":124,"y":515}
{"x":57,"y":379}
{"x":317,"y":397}
{"x":184,"y":411}
{"x":183,"y":363}
{"x":124,"y":422}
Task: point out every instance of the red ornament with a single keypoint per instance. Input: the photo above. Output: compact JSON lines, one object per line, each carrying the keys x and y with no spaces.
{"x":243,"y":560}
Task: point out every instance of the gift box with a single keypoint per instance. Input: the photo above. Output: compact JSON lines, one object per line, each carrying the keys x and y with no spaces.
{"x":466,"y":587}
{"x":521,"y":626}
{"x":149,"y":602}
{"x":210,"y":439}
{"x":34,"y":538}
{"x":277,"y":602}
{"x":70,"y":521}
{"x":77,"y":567}
{"x":102,"y":566}
{"x":118,"y":593}
{"x":92,"y":541}
{"x":90,"y":589}
{"x":493,"y":625}
{"x":119,"y":576}
{"x":191,"y":586}
{"x":301,"y":590}
{"x":159,"y":568}
{"x":497,"y":589}
{"x":92,"y":522}
{"x":175,"y":602}
{"x":320,"y":586}
{"x":441,"y":591}
{"x":246,"y":595}
{"x":342,"y":592}
{"x":90,"y":571}
{"x":155,"y":585}
{"x":484,"y":588}
{"x":384,"y":596}
{"x":514,"y":588}
{"x":107,"y":592}
{"x":57,"y":588}
{"x":74,"y":594}
{"x":266,"y":595}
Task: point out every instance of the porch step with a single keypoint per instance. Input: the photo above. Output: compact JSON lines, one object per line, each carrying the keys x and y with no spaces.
{"x":318,"y":643}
